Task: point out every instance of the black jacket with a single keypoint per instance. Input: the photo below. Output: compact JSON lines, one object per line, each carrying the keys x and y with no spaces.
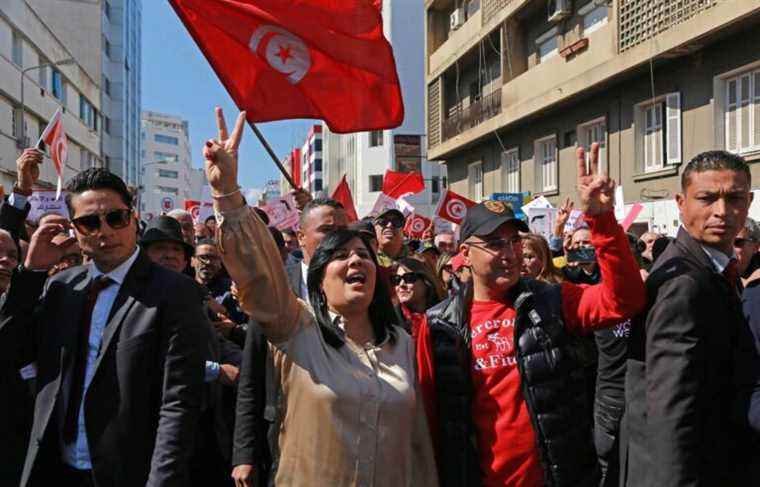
{"x":552,"y":365}
{"x":143,"y":403}
{"x":16,"y":399}
{"x":689,"y":375}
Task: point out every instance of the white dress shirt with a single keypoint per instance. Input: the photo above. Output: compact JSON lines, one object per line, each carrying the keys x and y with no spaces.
{"x":718,"y":258}
{"x":77,"y":454}
{"x":304,"y":288}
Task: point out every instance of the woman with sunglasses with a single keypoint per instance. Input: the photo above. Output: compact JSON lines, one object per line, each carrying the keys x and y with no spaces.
{"x":347,"y":408}
{"x":418,"y":289}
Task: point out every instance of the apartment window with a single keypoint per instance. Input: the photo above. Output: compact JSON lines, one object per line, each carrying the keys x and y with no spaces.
{"x":87,"y":113}
{"x":742,"y":114}
{"x":318,"y":185}
{"x":594,"y":131}
{"x":167,"y":189}
{"x":594,"y":16}
{"x":42,"y":77}
{"x":165,"y":157}
{"x":475,"y":178}
{"x":107,"y":47}
{"x":57,"y":85}
{"x":376,"y":138}
{"x":510,"y":166}
{"x":17,"y":50}
{"x":15,"y":122}
{"x":318,"y":145}
{"x":375,"y":183}
{"x":547,"y":45}
{"x":165,"y":173}
{"x":107,"y":85}
{"x":659,"y":136}
{"x":318,"y":164}
{"x":435,"y":186}
{"x":546,"y":164}
{"x":106,"y":125}
{"x":166,"y":139}
{"x":107,"y":9}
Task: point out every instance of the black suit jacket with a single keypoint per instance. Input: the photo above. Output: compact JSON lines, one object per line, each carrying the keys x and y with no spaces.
{"x":143,"y":403}
{"x":689,"y":375}
{"x":294,"y":273}
{"x":16,"y":400}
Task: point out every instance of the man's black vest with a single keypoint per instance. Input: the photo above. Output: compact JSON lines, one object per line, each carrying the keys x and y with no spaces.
{"x":553,"y":367}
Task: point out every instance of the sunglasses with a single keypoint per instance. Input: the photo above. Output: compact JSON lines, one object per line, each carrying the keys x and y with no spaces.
{"x":740,"y":242}
{"x":395,"y":222}
{"x":409,"y":278}
{"x":89,"y":224}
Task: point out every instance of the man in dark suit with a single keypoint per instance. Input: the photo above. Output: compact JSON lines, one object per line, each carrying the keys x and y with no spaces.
{"x":691,"y":358}
{"x":119,"y":350}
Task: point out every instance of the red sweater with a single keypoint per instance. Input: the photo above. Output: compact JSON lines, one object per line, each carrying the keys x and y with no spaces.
{"x":506,"y":440}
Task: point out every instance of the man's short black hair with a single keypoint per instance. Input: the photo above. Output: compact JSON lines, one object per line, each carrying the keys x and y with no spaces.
{"x":205,"y":241}
{"x":290,"y":232}
{"x":715,"y":160}
{"x":316,"y":203}
{"x":96,"y":178}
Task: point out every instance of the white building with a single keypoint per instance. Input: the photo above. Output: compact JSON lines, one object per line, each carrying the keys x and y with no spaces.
{"x":364,"y":157}
{"x":167,"y":173}
{"x":36,"y":40}
{"x":121,"y":92}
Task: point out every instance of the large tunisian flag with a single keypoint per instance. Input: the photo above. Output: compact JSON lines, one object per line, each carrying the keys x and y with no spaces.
{"x":300,"y":59}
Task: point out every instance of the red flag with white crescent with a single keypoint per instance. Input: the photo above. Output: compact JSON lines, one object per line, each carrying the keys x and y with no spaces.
{"x":54,"y":138}
{"x":320,"y":59}
{"x":416,"y":225}
{"x":453,"y":207}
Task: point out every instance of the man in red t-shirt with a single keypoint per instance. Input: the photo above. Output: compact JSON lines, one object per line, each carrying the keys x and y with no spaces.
{"x":516,"y":343}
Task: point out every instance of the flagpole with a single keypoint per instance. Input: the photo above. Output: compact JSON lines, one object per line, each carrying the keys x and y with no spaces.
{"x":271,"y":153}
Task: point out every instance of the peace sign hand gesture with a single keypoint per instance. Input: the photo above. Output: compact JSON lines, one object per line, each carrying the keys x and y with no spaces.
{"x":221,"y":156}
{"x":596,"y":190}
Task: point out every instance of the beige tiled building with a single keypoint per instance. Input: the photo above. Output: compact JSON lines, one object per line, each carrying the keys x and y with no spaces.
{"x":514,"y":86}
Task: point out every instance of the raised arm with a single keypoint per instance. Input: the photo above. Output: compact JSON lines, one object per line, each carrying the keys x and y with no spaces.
{"x":249,"y":253}
{"x":620,"y":294}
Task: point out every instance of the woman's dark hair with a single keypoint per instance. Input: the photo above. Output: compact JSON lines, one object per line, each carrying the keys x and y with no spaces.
{"x":96,"y":178}
{"x":435,"y":290}
{"x":381,"y":312}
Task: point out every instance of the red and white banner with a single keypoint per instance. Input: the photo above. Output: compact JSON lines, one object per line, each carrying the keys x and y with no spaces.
{"x":453,"y":207}
{"x":194,"y":207}
{"x":416,"y":225}
{"x":282,"y":213}
{"x":54,"y":138}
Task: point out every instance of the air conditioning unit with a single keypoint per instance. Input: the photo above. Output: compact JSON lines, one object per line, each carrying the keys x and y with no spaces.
{"x":457,"y":18}
{"x":559,"y":10}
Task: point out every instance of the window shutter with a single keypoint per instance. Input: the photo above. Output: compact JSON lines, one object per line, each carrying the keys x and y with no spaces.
{"x":756,"y":109}
{"x":673,"y":128}
{"x":537,"y":169}
{"x":731,"y":116}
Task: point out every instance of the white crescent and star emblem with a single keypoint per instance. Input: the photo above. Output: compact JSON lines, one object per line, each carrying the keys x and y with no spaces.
{"x":418,"y":225}
{"x":456,"y":208}
{"x":282,"y":50}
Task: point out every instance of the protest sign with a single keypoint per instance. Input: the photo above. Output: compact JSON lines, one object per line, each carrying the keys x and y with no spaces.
{"x":540,"y":202}
{"x":42,"y":202}
{"x":282,"y":213}
{"x":542,"y":220}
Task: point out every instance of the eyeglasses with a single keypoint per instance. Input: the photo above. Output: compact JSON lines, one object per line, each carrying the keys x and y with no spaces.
{"x":89,"y":224}
{"x":498,"y":244}
{"x":208,"y":259}
{"x":395,"y":222}
{"x":408,"y":278}
{"x":741,"y":242}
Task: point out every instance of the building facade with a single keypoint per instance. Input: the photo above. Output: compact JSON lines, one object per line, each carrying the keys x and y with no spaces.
{"x":364,"y":157}
{"x":121,"y":86}
{"x":514,"y":87}
{"x":311,"y":161}
{"x":167,"y":173}
{"x":58,"y":72}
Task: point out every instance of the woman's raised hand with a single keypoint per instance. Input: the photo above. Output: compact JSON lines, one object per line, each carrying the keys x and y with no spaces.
{"x":221,"y":156}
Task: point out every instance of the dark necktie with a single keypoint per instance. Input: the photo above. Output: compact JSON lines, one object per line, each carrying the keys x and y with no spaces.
{"x":731,"y":273}
{"x":71,"y":419}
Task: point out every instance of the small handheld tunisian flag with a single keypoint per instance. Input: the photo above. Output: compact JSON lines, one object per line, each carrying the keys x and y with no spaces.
{"x":342,"y":195}
{"x":453,"y":207}
{"x":416,"y":225}
{"x":400,"y":184}
{"x":300,"y":59}
{"x":54,"y":137}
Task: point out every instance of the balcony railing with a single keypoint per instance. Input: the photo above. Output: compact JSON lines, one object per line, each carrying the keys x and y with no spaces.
{"x":487,"y":107}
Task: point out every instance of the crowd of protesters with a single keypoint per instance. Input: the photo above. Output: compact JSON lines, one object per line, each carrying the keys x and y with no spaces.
{"x":230,"y":353}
